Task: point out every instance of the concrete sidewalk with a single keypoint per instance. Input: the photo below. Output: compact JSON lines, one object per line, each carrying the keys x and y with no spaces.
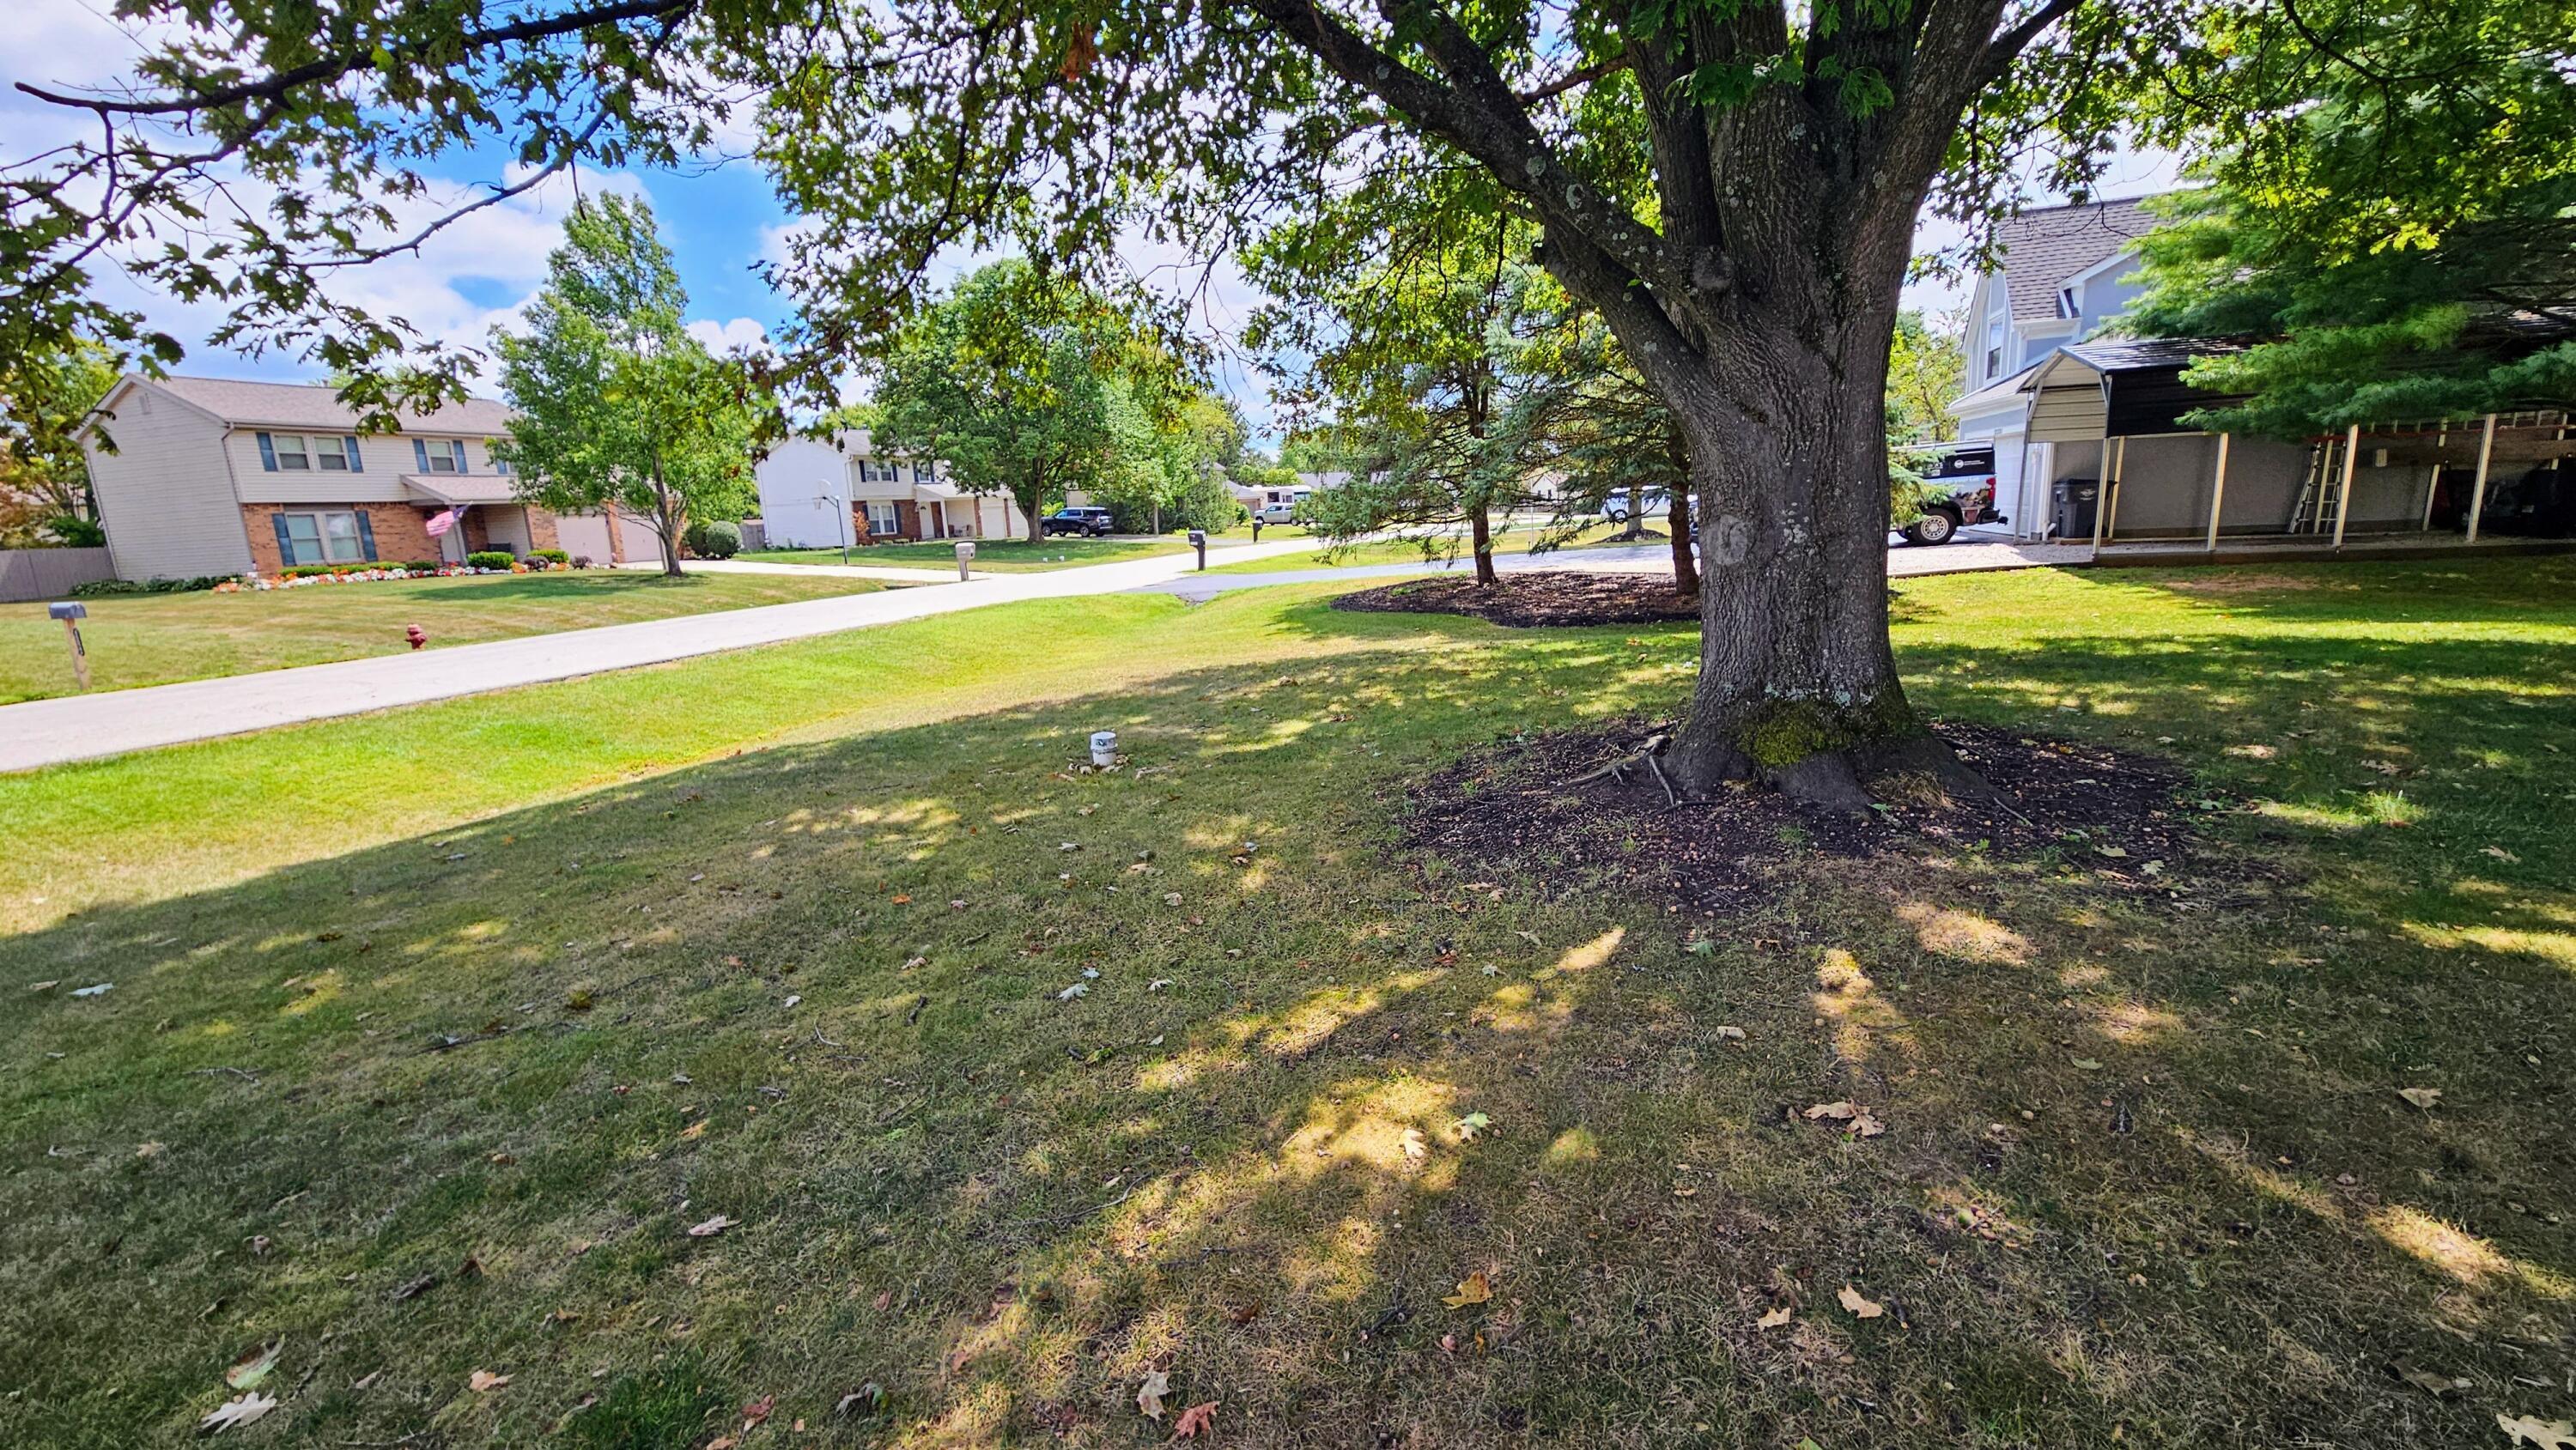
{"x":86,"y":727}
{"x":877,"y":572}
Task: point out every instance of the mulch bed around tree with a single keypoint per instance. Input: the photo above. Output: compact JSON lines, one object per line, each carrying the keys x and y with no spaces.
{"x":1514,"y":810}
{"x":1552,"y":598}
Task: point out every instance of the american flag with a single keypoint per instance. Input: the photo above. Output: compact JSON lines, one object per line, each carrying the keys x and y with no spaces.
{"x":439,"y":524}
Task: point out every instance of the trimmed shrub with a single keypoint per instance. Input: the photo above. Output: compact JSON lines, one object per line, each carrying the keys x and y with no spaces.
{"x":551,"y":556}
{"x":75,"y":532}
{"x":97,"y":588}
{"x":490,"y":559}
{"x":714,"y":539}
{"x":420,"y":566}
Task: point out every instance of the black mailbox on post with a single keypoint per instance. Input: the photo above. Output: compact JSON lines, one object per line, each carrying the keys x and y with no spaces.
{"x":1198,"y":541}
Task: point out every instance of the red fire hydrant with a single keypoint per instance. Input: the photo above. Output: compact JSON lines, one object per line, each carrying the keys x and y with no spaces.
{"x":416,"y":635}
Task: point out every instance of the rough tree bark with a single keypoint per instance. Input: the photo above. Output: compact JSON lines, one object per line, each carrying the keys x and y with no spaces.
{"x":1759,"y":306}
{"x":1480,"y":533}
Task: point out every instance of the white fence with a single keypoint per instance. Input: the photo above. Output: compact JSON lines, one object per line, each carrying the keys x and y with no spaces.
{"x":49,"y":573}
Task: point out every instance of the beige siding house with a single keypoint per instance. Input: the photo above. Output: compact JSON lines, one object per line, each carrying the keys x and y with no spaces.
{"x":200,"y":476}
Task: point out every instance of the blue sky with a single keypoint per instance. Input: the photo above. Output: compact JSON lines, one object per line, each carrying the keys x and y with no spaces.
{"x":720,"y":220}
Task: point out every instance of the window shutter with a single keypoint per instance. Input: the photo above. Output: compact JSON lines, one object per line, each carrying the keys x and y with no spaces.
{"x":268,"y":460}
{"x":456,"y":450}
{"x":285,"y":541}
{"x":366,"y":536}
{"x":420,"y":454}
{"x":349,"y":445}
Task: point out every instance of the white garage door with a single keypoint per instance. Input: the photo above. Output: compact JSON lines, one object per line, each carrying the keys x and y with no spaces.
{"x":585,"y":536}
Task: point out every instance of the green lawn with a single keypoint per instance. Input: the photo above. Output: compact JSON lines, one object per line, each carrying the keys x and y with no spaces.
{"x":153,"y":639}
{"x":992,"y":556}
{"x":433,"y":1032}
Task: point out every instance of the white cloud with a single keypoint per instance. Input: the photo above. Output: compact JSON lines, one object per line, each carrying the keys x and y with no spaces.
{"x":742,"y":332}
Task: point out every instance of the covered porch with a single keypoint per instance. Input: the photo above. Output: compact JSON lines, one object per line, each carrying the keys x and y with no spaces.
{"x":2104,"y":421}
{"x":489,"y":514}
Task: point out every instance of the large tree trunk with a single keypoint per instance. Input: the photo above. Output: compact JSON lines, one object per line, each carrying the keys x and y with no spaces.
{"x":1798,"y":685}
{"x":1480,"y":533}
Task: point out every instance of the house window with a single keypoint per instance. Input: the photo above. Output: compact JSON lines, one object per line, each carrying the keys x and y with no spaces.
{"x":439,"y":455}
{"x":321,"y":538}
{"x":299,"y":453}
{"x":2067,"y":306}
{"x":1994,"y":348}
{"x":881,"y":517}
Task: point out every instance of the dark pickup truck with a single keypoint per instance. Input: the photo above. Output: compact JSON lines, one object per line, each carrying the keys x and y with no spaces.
{"x":1961,"y":481}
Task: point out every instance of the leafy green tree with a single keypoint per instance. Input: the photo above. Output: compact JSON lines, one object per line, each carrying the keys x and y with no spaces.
{"x":615,"y":403}
{"x":1927,"y":364}
{"x":1402,"y":301}
{"x":1582,"y":412}
{"x":44,"y":476}
{"x":2392,"y":216}
{"x":1731,"y":187}
{"x":1027,"y":383}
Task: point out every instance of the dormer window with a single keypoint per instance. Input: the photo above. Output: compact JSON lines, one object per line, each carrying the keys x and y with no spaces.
{"x":2067,"y":306}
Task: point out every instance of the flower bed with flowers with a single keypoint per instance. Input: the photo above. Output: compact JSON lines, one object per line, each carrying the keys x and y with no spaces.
{"x":305,"y":574}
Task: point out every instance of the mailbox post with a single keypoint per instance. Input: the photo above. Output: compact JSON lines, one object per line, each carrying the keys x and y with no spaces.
{"x":71,"y":612}
{"x":965,"y":557}
{"x":1198,"y":541}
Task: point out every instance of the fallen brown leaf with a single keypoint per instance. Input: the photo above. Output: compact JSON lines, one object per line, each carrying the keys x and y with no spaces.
{"x":485,"y":1381}
{"x":712,"y":1227}
{"x":1474,"y":1289}
{"x":1774,"y":1319}
{"x":1861,"y":1308}
{"x":1149,"y":1395}
{"x":2544,"y":1434}
{"x":1193,"y":1420}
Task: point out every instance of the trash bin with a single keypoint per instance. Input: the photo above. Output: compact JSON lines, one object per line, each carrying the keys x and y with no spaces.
{"x":2076,"y":500}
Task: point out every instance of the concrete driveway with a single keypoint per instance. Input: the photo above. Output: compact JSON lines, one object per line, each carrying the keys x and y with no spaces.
{"x":86,"y":727}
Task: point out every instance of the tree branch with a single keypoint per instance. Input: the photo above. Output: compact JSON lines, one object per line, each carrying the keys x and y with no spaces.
{"x":1579,"y":76}
{"x":2007,"y":46}
{"x":332,"y":67}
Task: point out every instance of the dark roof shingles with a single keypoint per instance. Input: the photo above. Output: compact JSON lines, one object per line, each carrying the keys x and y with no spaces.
{"x":2043,"y":248}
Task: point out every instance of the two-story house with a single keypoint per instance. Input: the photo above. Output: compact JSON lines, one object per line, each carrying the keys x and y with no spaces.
{"x":843,"y":491}
{"x":218,"y":476}
{"x":2065,"y":274}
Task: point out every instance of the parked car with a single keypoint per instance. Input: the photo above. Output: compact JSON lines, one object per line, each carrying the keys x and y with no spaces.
{"x":1960,"y":479}
{"x":1087,"y":521}
{"x":1652,"y":503}
{"x":1282,"y":511}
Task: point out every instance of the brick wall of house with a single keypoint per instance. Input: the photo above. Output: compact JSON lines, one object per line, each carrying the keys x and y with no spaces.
{"x":541,"y":529}
{"x":401,"y":531}
{"x":907,"y":524}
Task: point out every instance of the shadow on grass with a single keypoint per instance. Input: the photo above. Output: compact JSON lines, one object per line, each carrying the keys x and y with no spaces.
{"x":2145,"y":1166}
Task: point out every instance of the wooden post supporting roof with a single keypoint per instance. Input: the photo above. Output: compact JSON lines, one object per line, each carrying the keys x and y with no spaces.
{"x":2343,"y":493}
{"x":2217,"y":494}
{"x":2102,"y":490}
{"x":2478,"y":490}
{"x":2111,"y":492}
